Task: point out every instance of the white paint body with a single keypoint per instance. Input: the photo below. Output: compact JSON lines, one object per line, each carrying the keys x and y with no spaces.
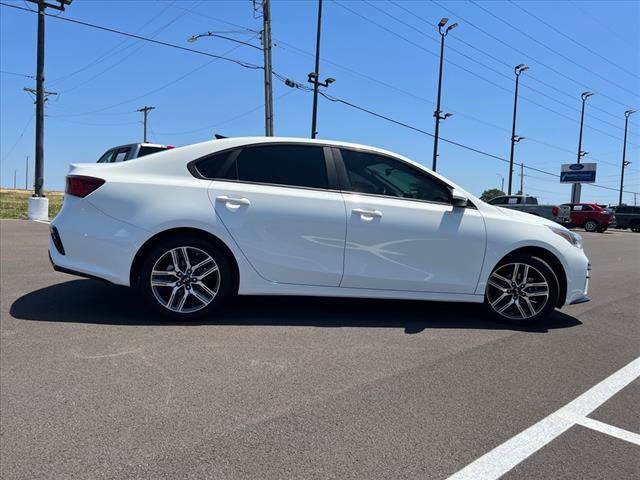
{"x":298,"y":241}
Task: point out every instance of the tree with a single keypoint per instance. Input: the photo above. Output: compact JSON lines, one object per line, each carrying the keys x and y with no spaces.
{"x":491,"y":193}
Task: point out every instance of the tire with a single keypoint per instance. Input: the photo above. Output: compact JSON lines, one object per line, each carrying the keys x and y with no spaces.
{"x":590,"y":225}
{"x":602,"y":230}
{"x":635,"y":227}
{"x":190,"y":293}
{"x":507,"y":300}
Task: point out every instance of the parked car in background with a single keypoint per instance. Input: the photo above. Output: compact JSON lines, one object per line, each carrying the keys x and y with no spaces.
{"x":529,"y":204}
{"x":591,"y":216}
{"x":628,"y":216}
{"x":131,"y":151}
{"x":196,"y":225}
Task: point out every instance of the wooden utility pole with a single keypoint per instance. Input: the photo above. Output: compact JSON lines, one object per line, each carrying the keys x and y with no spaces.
{"x":145,"y":110}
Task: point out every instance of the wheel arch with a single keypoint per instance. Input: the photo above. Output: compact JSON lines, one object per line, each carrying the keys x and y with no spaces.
{"x":158,"y":238}
{"x":550,"y":259}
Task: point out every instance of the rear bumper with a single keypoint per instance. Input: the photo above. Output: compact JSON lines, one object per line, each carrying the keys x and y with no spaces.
{"x":88,"y":243}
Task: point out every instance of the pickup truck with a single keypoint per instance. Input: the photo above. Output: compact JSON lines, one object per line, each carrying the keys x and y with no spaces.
{"x":131,"y":151}
{"x":528,"y":204}
{"x":628,"y":216}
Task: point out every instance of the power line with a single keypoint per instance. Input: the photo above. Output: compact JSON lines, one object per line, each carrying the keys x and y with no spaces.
{"x":542,"y":44}
{"x":573,"y":40}
{"x":599,"y":22}
{"x":111,"y":52}
{"x":510,"y":46}
{"x":146,"y":39}
{"x":496,"y":59}
{"x":476,"y":74}
{"x":24,"y":129}
{"x":5,"y":72}
{"x":452,"y":142}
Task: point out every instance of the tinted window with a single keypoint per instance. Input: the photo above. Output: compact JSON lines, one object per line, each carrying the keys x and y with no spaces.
{"x":106,"y":157}
{"x":218,"y":166}
{"x":149,"y":150}
{"x":531,"y":201}
{"x":121,"y":155}
{"x":294,"y":165}
{"x":498,"y":201}
{"x":380,"y":175}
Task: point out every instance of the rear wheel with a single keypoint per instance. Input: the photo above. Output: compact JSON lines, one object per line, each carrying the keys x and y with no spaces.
{"x":590,"y":225}
{"x":522,"y":289}
{"x":635,"y":227}
{"x":186,"y":278}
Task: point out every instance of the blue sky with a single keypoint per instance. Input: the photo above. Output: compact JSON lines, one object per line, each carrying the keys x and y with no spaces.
{"x":383,"y":55}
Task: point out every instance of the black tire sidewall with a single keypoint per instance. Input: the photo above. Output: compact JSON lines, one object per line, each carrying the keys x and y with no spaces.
{"x":549,"y":275}
{"x":228,"y":283}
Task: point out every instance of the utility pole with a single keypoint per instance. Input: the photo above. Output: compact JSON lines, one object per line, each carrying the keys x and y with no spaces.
{"x":438,"y":113}
{"x":515,"y":138}
{"x":268,"y":85}
{"x":26,"y":174}
{"x":316,"y":71}
{"x":38,"y":208}
{"x":40,"y":92}
{"x":145,"y":111}
{"x":314,"y":77}
{"x":15,"y":172}
{"x":625,"y":164}
{"x":576,"y":188}
{"x":522,"y":179}
{"x":501,"y":182}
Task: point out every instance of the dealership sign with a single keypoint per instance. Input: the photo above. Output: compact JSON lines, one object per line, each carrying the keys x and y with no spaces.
{"x":578,"y":173}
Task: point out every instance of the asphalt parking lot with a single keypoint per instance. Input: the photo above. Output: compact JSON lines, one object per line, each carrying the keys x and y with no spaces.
{"x":93,"y":386}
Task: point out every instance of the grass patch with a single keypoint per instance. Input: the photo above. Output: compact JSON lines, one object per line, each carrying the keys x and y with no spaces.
{"x":13,"y":203}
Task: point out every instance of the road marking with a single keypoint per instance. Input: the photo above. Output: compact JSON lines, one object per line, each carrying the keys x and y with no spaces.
{"x":602,"y":427}
{"x":504,"y":457}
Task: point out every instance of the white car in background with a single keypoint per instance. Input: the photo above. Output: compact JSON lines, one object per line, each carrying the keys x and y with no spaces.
{"x":193,"y":226}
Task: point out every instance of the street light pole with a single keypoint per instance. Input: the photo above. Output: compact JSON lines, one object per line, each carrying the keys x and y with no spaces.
{"x":501,"y":182}
{"x":625,"y":164}
{"x":576,"y":188}
{"x":438,"y":113}
{"x":514,"y":138}
{"x":266,"y":51}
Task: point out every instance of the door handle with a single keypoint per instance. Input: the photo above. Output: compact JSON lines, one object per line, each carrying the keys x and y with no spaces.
{"x":367,"y":214}
{"x":234,"y":202}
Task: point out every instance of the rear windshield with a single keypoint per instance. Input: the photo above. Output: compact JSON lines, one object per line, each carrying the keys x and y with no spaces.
{"x":149,"y":150}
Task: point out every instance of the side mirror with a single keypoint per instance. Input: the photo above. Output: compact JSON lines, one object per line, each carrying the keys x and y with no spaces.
{"x":459,"y":199}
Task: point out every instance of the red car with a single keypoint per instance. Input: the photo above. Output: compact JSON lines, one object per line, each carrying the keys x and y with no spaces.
{"x":591,"y":216}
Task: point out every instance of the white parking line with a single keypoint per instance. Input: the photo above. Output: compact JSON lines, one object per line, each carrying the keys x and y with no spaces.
{"x":503,"y":458}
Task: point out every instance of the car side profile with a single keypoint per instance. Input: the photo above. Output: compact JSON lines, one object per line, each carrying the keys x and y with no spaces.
{"x":591,"y":216}
{"x":195,"y":225}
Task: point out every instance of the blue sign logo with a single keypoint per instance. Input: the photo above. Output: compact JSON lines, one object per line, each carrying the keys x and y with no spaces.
{"x":576,"y":166}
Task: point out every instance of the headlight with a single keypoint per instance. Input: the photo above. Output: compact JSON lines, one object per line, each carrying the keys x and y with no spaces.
{"x":571,"y":237}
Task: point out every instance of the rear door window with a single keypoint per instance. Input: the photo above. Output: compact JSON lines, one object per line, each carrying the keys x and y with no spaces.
{"x":291,"y":165}
{"x":121,"y":154}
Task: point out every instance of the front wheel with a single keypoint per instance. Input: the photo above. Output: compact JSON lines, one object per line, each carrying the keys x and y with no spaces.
{"x":186,"y":278}
{"x":590,"y":226}
{"x":522,"y":289}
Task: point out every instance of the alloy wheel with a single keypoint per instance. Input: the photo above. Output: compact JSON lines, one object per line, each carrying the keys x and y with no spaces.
{"x":185,"y":279}
{"x":517,"y":291}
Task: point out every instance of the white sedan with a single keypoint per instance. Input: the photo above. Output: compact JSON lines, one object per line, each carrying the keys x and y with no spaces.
{"x":192,"y":226}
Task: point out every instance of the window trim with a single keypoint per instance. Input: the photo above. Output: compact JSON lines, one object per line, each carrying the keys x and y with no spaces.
{"x":345,"y":184}
{"x":237,"y":150}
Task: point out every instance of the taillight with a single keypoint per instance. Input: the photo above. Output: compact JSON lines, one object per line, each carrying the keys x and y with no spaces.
{"x":555,"y":211}
{"x":81,"y":185}
{"x":169,"y":147}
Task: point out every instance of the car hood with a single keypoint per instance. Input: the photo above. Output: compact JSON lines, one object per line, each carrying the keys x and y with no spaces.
{"x":527,"y":217}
